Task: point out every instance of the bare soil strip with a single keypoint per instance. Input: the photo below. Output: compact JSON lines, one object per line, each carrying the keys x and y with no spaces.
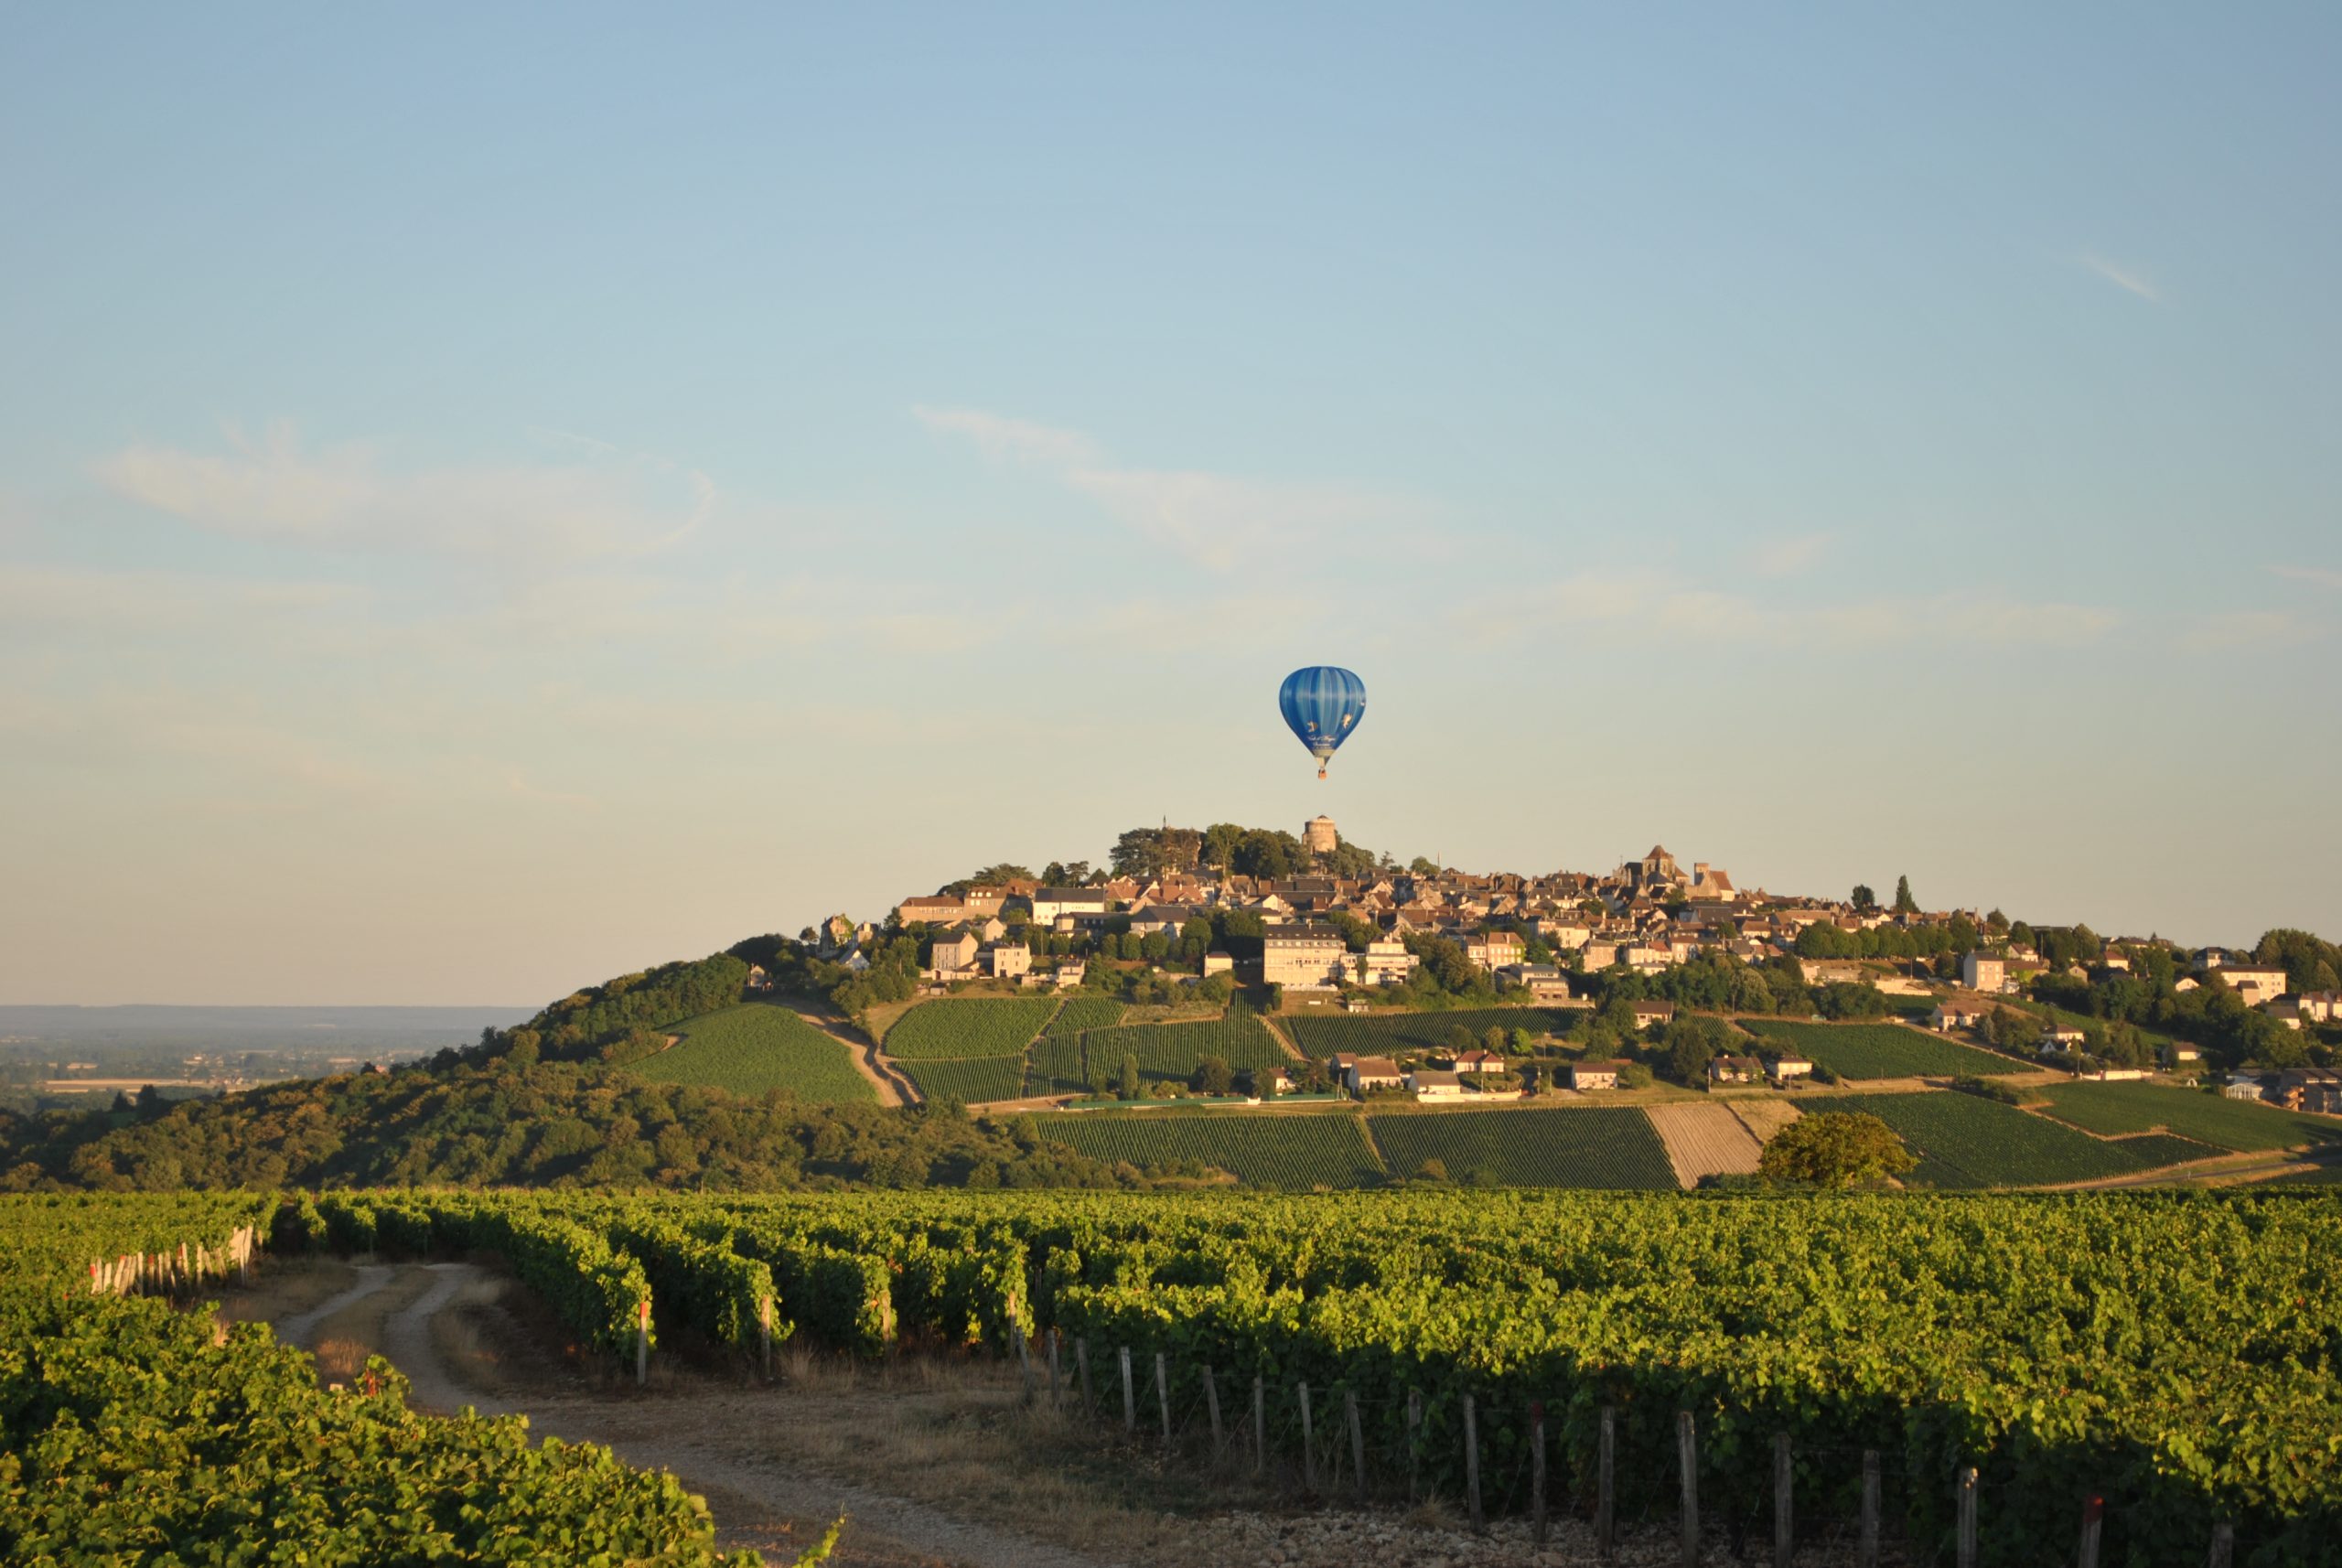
{"x":1763,"y":1118}
{"x":1705,"y":1139}
{"x":872,"y":1063}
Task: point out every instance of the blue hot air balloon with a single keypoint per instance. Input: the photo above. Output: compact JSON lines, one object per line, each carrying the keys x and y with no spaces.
{"x":1321,"y":704}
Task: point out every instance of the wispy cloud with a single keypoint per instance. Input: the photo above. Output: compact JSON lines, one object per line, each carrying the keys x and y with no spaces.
{"x":595,"y":503}
{"x":2249,"y":628}
{"x":150,"y":603}
{"x":2128,"y":279}
{"x":1215,"y":519}
{"x":1789,"y":556}
{"x":2324,"y":576}
{"x":1678,"y":609}
{"x":1013,"y":440}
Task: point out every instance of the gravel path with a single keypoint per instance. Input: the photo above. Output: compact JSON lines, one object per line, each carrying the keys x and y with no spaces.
{"x":301,"y":1327}
{"x":699,"y":1446}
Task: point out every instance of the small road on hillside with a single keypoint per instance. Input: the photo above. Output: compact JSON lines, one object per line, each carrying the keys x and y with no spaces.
{"x":884,"y":1077}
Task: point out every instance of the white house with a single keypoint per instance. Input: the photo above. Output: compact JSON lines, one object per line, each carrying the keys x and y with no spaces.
{"x":1385,"y":961}
{"x":1303,"y":958}
{"x":1983,"y":971}
{"x":953,"y":957}
{"x":1049,"y":903}
{"x":1594,"y":1075}
{"x":1957,"y":1013}
{"x":1783,"y":1070}
{"x":2253,"y":983}
{"x":1545,"y":982}
{"x":1430,"y":1083}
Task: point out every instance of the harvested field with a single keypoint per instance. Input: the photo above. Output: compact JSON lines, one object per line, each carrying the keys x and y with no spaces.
{"x":1705,"y":1139}
{"x":1763,"y":1118}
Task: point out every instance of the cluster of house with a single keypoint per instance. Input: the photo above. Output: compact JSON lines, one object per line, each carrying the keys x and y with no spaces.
{"x":2295,"y":1088}
{"x":1363,"y":1076}
{"x":1648,"y":913}
{"x":1987,"y":978}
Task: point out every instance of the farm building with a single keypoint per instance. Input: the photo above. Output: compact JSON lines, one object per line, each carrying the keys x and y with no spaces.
{"x":1430,"y":1083}
{"x":1594,"y":1075}
{"x":1957,"y":1013}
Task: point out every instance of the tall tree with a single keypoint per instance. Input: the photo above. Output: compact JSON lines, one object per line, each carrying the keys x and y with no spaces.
{"x":1904,"y":903}
{"x":1865,"y":899}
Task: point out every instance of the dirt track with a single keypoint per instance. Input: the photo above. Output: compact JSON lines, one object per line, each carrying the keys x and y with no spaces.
{"x":893,"y":1088}
{"x":773,"y":1509}
{"x":997,"y":1470}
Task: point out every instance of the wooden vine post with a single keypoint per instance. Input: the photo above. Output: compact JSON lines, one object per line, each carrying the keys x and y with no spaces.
{"x":1784,"y":1520}
{"x":1260,"y":1428}
{"x":1537,"y":1469}
{"x":1866,"y":1547}
{"x":1130,"y":1401}
{"x":1472,"y":1462}
{"x":1605,"y":1484}
{"x":764,"y":1333}
{"x":1687,"y":1454}
{"x":1211,"y":1406}
{"x":642,"y":1342}
{"x":1309,"y":1445}
{"x":1415,"y":1439}
{"x":2093,"y":1526}
{"x":1081,"y":1360}
{"x":1966,"y":1546}
{"x":1162,"y":1395}
{"x":1358,"y":1444}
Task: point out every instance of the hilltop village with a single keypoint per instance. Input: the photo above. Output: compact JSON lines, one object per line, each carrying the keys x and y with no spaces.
{"x":1657,"y":957}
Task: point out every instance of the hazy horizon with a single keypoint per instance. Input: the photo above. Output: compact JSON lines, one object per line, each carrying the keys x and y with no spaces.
{"x":486,"y":505}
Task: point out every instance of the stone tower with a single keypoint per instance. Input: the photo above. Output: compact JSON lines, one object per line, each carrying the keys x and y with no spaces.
{"x":1318,"y":837}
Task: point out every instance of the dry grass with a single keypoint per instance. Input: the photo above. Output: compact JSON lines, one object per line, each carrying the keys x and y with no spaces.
{"x":1764,"y":1117}
{"x":282,"y":1287}
{"x":343,"y":1341}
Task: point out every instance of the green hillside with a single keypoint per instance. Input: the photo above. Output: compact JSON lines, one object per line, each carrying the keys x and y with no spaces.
{"x":1967,"y":1141}
{"x":1881,"y":1050}
{"x":960,"y":1028}
{"x":1292,"y":1149}
{"x":1612,"y":1147}
{"x":755,"y":1048}
{"x":2239,"y":1124}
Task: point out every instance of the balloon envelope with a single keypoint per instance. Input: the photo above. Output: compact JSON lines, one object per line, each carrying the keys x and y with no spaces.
{"x":1321,"y":704}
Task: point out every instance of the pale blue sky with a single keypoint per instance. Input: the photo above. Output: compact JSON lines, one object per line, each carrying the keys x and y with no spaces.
{"x":494,"y":497}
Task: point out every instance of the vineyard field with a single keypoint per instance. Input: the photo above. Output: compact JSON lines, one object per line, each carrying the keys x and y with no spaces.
{"x":1082,"y":1012}
{"x":1056,"y":1066}
{"x":755,"y":1048}
{"x":1611,"y":1147}
{"x":2243,"y":1125}
{"x":972,"y":1080}
{"x":1967,"y":1141}
{"x":2173,"y":1353}
{"x":220,"y":1446}
{"x":1374,"y":1034}
{"x":969,"y":1026}
{"x":1880,"y":1050}
{"x":1172,"y":1052}
{"x":1291,"y":1149}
